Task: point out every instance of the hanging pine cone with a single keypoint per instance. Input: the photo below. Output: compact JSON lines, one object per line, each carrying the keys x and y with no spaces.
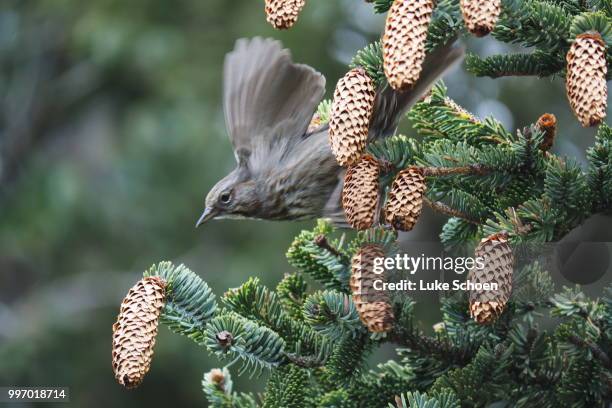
{"x":496,"y":254}
{"x":585,"y":81}
{"x":373,"y":306}
{"x":547,"y":123}
{"x":480,"y":16}
{"x":360,"y":192}
{"x":283,"y":14}
{"x":405,"y":200}
{"x":404,"y":41}
{"x":350,"y":116}
{"x":135,"y":331}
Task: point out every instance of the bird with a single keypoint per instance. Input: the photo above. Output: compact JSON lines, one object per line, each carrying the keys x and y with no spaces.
{"x":284,"y":171}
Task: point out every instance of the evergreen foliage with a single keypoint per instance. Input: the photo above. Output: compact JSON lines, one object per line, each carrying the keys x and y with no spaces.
{"x":464,"y":364}
{"x":486,"y":179}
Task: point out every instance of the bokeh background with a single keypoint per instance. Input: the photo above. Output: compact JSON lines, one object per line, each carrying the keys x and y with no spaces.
{"x":111,"y":133}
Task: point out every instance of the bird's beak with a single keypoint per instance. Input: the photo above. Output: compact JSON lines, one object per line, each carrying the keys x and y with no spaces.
{"x":208,"y":214}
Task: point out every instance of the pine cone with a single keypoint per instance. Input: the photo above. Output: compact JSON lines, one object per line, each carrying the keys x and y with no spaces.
{"x":486,"y":312}
{"x":585,"y":81}
{"x":480,"y":16}
{"x":360,"y":192}
{"x":372,"y":305}
{"x":405,"y":200}
{"x":283,"y":14}
{"x":135,"y":330}
{"x":547,"y":123}
{"x":496,"y":254}
{"x":350,"y":116}
{"x":404,"y":41}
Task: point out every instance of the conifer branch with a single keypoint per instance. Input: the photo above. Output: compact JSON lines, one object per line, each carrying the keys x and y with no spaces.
{"x":304,"y":361}
{"x":322,"y":242}
{"x":473,"y":169}
{"x":447,"y":210}
{"x":597,"y":351}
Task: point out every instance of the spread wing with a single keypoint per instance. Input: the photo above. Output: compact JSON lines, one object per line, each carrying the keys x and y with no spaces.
{"x":268,"y":100}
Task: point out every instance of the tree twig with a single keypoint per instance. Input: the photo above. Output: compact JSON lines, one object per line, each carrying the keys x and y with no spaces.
{"x":476,"y":169}
{"x":304,"y":361}
{"x":322,"y":242}
{"x":447,"y":210}
{"x":595,"y":350}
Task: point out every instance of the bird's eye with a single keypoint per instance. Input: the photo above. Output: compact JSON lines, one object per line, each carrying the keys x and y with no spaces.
{"x":225,"y":197}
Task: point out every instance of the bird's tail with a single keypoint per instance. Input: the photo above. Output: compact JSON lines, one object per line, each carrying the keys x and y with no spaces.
{"x":390,"y":105}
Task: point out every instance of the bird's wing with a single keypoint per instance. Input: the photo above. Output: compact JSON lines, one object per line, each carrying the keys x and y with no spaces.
{"x":268,"y":100}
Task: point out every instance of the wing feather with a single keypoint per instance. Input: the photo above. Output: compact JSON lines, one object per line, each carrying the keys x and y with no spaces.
{"x":268,"y":100}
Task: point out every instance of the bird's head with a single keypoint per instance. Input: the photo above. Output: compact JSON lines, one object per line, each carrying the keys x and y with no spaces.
{"x":234,"y":196}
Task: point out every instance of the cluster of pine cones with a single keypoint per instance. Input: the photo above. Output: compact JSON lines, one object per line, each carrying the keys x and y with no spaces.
{"x":485,"y":306}
{"x":404,"y":52}
{"x":352,"y":108}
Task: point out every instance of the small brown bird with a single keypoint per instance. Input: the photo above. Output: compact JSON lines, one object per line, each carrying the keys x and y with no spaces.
{"x":283,"y":171}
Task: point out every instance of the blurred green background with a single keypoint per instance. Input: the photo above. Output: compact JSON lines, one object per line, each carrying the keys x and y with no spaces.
{"x":111,"y":133}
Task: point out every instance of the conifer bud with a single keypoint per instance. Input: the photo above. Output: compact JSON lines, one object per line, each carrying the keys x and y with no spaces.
{"x":498,"y":260}
{"x":405,"y":200}
{"x":585,"y":81}
{"x":216,"y":377}
{"x":360,"y":192}
{"x":547,"y":123}
{"x":404,"y":41}
{"x":135,"y":331}
{"x":350,"y":116}
{"x":224,"y":338}
{"x":480,"y":16}
{"x":373,"y":306}
{"x":283,"y":14}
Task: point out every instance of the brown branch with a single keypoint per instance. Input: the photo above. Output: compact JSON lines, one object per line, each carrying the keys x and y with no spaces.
{"x":322,"y":242}
{"x":472,"y":169}
{"x":304,"y":361}
{"x":447,"y":210}
{"x":386,"y":166}
{"x":595,"y":350}
{"x":477,"y":169}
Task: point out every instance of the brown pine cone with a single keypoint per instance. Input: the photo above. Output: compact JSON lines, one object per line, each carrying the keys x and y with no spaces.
{"x":360,"y":192}
{"x":377,"y":316}
{"x":405,"y":200}
{"x":374,"y":308}
{"x":404,"y":41}
{"x":283,"y":14}
{"x":486,"y":312}
{"x":350,"y":116}
{"x":135,"y":331}
{"x":585,"y":81}
{"x":547,"y":123}
{"x":480,"y":16}
{"x":498,"y":260}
